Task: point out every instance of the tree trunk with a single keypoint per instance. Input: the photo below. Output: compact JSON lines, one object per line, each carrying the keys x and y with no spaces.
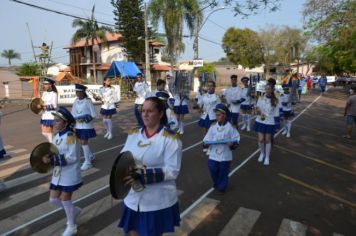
{"x":9,"y":61}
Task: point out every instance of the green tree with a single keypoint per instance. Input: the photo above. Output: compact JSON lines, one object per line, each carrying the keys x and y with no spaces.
{"x":91,"y":32}
{"x":243,"y":47}
{"x":10,"y":54}
{"x":332,"y":24}
{"x":129,"y":21}
{"x":29,"y":69}
{"x":206,"y":68}
{"x":173,"y":15}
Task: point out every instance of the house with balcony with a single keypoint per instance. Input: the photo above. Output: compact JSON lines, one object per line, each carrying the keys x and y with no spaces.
{"x":81,"y":57}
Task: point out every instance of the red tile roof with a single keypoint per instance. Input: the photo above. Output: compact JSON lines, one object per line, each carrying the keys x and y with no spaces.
{"x":110,"y":37}
{"x":160,"y":67}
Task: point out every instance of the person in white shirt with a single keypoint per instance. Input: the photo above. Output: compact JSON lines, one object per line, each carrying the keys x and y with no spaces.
{"x":221,"y":139}
{"x":181,"y":98}
{"x":141,"y":88}
{"x":207,"y":104}
{"x":84,"y":113}
{"x":232,"y":95}
{"x":160,"y":86}
{"x":109,"y":107}
{"x":50,"y":100}
{"x":267,"y":109}
{"x":66,"y":178}
{"x":157,"y":152}
{"x":246,"y":104}
{"x":287,"y":110}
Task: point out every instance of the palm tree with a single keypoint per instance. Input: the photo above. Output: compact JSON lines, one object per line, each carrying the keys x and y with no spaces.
{"x":173,"y":15}
{"x":10,"y":54}
{"x":91,"y":32}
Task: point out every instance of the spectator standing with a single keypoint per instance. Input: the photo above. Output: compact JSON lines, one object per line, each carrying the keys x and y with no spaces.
{"x":350,"y":113}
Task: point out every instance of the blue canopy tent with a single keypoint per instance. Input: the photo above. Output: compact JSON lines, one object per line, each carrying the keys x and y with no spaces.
{"x":123,"y":69}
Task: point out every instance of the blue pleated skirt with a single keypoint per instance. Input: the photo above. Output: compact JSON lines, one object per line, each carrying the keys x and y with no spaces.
{"x":47,"y":122}
{"x":205,"y":123}
{"x":264,"y":129}
{"x":85,"y":134}
{"x":66,"y":189}
{"x":181,"y":110}
{"x":277,"y":121}
{"x":245,"y":107}
{"x":151,"y":223}
{"x":107,"y":112}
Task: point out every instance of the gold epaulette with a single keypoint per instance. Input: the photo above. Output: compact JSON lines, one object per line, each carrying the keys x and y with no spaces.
{"x":171,"y":134}
{"x":133,"y":131}
{"x":71,"y":138}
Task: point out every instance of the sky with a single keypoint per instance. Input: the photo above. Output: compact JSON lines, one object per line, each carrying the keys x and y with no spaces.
{"x":50,"y":27}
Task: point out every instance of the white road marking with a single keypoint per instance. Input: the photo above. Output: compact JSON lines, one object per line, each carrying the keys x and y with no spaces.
{"x":241,"y":222}
{"x":292,"y":228}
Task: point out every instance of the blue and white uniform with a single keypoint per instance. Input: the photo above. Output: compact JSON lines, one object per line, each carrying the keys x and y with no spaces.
{"x":110,"y":100}
{"x":141,"y":89}
{"x":84,"y":113}
{"x":233,"y":99}
{"x":50,"y":101}
{"x":266,"y":124}
{"x":154,"y":210}
{"x":208,"y":102}
{"x":66,"y":172}
{"x":246,"y":107}
{"x":220,"y":155}
{"x":181,"y":103}
{"x":287,"y":112}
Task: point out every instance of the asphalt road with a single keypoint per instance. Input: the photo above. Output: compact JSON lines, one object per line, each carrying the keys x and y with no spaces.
{"x":309,"y":188}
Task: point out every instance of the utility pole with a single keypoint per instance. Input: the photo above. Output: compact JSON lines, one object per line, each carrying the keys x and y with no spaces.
{"x":147,"y":50}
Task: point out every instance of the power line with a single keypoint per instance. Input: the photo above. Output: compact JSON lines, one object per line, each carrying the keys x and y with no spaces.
{"x":221,"y":27}
{"x":57,"y":12}
{"x":208,"y":40}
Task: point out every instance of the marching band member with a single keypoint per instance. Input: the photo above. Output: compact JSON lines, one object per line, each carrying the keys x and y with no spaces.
{"x":2,"y":149}
{"x":50,"y":100}
{"x":265,"y":126}
{"x":181,"y":98}
{"x":160,"y":87}
{"x":157,"y":152}
{"x":141,"y":88}
{"x":84,"y":113}
{"x":272,"y":82}
{"x":246,"y":104}
{"x":233,"y":99}
{"x":172,"y":121}
{"x":66,"y":177}
{"x":220,"y":154}
{"x":287,"y":111}
{"x":108,"y":96}
{"x":207,"y":103}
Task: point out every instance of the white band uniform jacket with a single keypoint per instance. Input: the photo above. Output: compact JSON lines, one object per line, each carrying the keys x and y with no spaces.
{"x":285,"y":100}
{"x":68,"y":146}
{"x":163,"y":150}
{"x":233,"y":94}
{"x":141,"y":89}
{"x":221,"y":152}
{"x":83,"y":107}
{"x":267,"y":110}
{"x":208,"y":102}
{"x":181,"y":99}
{"x":248,"y":99}
{"x":50,"y":99}
{"x":109,"y":97}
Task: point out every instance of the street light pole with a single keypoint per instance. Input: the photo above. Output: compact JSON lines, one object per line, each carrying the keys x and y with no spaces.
{"x":147,"y":50}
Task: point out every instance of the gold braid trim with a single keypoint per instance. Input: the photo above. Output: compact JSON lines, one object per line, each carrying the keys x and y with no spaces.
{"x":71,"y":138}
{"x":170,"y":135}
{"x":133,"y":131}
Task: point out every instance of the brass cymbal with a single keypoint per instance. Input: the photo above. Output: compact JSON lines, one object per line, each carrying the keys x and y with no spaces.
{"x":34,"y":105}
{"x":37,"y":154}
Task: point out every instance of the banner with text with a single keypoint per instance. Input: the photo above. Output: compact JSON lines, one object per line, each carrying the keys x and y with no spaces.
{"x":66,"y":93}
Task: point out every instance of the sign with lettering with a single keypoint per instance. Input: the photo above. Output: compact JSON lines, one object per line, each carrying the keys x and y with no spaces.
{"x":197,"y":63}
{"x":66,"y":93}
